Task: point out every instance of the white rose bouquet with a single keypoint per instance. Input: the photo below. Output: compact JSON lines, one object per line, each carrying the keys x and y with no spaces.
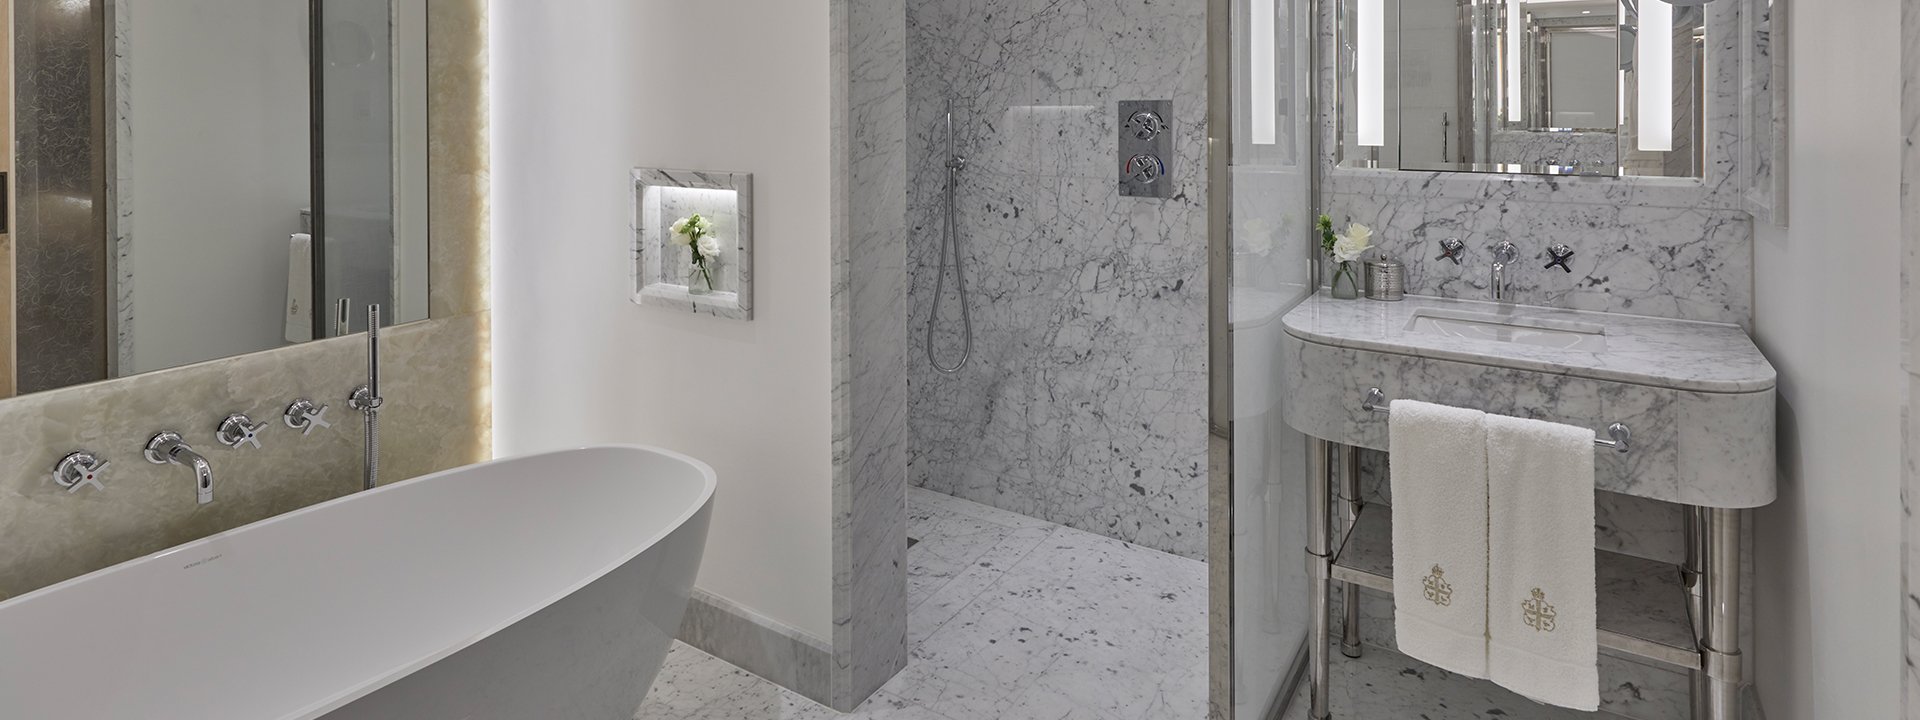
{"x":1345,"y":249}
{"x":696,"y":233}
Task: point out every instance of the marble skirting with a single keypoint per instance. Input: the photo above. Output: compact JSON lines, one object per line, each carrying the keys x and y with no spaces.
{"x":761,"y":645}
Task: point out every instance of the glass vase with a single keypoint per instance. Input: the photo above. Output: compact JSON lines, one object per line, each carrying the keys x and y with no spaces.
{"x":701,"y":276}
{"x":1346,"y":281}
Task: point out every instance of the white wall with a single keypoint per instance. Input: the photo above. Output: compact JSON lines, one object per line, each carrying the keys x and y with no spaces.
{"x":220,"y":145}
{"x":582,"y":95}
{"x":1829,"y":626}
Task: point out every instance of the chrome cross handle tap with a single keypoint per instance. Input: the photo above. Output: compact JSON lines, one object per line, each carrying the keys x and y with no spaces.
{"x":168,"y":448}
{"x":237,"y":429}
{"x":305,"y":416}
{"x":78,"y":470}
{"x":1561,"y":254}
{"x":1452,"y":249}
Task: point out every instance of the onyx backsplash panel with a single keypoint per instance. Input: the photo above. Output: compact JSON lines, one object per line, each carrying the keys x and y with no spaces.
{"x":1085,"y":400}
{"x":433,"y":373}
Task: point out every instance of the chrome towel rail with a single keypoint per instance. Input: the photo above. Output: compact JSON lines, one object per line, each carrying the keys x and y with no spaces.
{"x":1376,"y":402}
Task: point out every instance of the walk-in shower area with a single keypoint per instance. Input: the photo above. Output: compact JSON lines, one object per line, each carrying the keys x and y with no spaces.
{"x":1055,"y":301}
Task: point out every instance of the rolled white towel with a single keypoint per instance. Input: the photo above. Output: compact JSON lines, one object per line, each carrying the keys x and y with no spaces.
{"x":299,"y":288}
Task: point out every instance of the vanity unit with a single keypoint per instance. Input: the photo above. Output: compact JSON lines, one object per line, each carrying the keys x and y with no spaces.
{"x":1684,"y":412}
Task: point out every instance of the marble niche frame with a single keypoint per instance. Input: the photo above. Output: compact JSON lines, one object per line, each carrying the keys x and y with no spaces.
{"x":650,"y":247}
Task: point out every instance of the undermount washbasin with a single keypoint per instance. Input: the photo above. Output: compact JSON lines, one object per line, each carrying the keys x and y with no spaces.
{"x":1538,"y":332}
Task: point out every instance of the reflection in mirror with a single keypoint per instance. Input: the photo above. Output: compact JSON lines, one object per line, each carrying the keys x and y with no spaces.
{"x":174,"y":162}
{"x":1561,"y":87}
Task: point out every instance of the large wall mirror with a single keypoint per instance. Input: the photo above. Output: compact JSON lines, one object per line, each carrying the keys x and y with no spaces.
{"x":1558,"y":87}
{"x":196,"y":179}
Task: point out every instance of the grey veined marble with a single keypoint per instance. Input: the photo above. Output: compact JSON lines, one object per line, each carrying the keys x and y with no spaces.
{"x":1695,"y":447}
{"x":1013,"y":619}
{"x":1085,"y":400}
{"x":1668,"y":247}
{"x":1708,"y":357}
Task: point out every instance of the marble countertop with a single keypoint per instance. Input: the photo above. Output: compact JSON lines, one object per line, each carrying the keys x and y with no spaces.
{"x":1679,"y":354}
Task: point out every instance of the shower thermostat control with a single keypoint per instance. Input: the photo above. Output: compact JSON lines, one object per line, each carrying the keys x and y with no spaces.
{"x":1146,"y":148}
{"x":1145,"y":125}
{"x":1144,"y":169}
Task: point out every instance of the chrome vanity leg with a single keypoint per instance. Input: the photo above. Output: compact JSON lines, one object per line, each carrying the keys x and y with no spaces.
{"x":1693,"y":577}
{"x":1720,"y":646}
{"x":1319,"y":559}
{"x":1349,"y":592}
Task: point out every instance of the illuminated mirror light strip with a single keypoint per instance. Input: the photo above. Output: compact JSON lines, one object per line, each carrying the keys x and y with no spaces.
{"x":1262,"y":71}
{"x":1370,"y":41}
{"x":1653,"y":66}
{"x":1514,"y":31}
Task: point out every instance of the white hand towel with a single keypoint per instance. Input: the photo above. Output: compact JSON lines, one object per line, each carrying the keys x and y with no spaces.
{"x":299,"y":288}
{"x":1542,"y":641}
{"x":1439,"y":474}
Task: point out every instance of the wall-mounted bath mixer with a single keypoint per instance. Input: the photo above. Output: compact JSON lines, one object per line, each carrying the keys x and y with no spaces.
{"x":168,"y":448}
{"x":237,"y":430}
{"x":79,"y":469}
{"x":1560,"y":254}
{"x":305,"y":416}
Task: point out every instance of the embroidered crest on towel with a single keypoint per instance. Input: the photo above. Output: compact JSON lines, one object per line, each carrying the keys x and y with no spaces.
{"x":1538,"y":612}
{"x":1438,"y":591}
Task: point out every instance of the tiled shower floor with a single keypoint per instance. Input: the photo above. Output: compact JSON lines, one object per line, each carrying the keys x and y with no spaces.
{"x":1011,"y":617}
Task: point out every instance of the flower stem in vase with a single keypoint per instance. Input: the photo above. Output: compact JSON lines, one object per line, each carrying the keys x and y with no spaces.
{"x":1346,"y":286}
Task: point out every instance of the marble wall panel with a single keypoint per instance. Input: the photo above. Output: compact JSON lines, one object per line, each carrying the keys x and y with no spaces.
{"x":869,"y":292}
{"x":1084,"y":402}
{"x":1668,"y":247}
{"x":1910,"y":334}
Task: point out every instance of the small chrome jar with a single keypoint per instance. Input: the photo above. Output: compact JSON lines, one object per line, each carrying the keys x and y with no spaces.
{"x":1386,"y":280}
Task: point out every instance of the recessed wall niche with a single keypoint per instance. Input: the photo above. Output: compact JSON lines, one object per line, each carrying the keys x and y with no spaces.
{"x":663,"y":269}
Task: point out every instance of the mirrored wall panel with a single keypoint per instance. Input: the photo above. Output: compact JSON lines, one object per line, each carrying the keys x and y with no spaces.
{"x":196,"y":179}
{"x":1560,"y":87}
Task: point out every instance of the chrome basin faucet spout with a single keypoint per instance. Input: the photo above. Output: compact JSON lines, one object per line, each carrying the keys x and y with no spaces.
{"x":168,"y":448}
{"x":1504,"y":255}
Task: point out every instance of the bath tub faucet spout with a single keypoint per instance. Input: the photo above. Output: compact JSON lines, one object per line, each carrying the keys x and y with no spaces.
{"x":168,"y":448}
{"x":1504,"y":256}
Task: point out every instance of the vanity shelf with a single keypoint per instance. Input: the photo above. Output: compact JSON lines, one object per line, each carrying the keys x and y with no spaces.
{"x":1642,"y":603}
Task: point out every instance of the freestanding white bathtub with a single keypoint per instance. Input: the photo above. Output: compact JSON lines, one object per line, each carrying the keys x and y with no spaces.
{"x":547,"y":586}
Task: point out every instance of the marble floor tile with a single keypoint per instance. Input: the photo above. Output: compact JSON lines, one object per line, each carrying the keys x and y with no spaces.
{"x":1382,"y":684}
{"x":1011,"y":618}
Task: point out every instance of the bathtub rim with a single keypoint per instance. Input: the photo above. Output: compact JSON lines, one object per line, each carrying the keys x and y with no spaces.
{"x":329,"y":703}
